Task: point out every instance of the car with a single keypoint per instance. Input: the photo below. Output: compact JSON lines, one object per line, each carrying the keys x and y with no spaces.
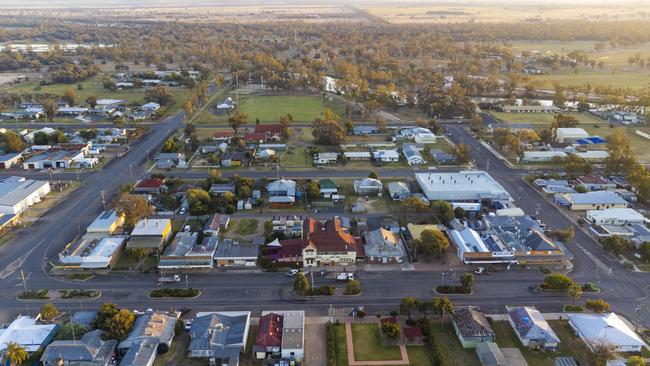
{"x":292,"y":272}
{"x":322,"y":272}
{"x":479,"y":270}
{"x":533,"y":289}
{"x":182,"y":211}
{"x":185,"y":311}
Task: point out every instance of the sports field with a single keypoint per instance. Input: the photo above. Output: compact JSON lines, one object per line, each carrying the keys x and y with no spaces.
{"x":269,"y":108}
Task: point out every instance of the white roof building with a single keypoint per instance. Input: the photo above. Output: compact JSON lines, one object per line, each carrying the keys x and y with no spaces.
{"x":386,"y":156}
{"x":471,"y":185}
{"x":27,"y":333}
{"x":92,"y":253}
{"x":151,"y":227}
{"x":17,"y":194}
{"x":106,"y":222}
{"x":570,"y":134}
{"x":536,"y":156}
{"x":109,"y":102}
{"x":151,"y":106}
{"x":412,"y":155}
{"x":605,"y":330}
{"x":615,"y":216}
{"x":592,"y":154}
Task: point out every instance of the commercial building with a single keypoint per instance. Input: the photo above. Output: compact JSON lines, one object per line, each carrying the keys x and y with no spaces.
{"x":150,"y":233}
{"x":471,"y":185}
{"x":186,"y":252}
{"x":151,"y":325}
{"x":29,"y":335}
{"x":615,"y":216}
{"x":531,"y":328}
{"x":108,"y":222}
{"x":92,"y":251}
{"x":9,"y":160}
{"x":472,"y":327}
{"x":383,"y":246}
{"x":596,"y":183}
{"x":570,"y":134}
{"x":62,"y":156}
{"x":142,"y":352}
{"x":219,"y":335}
{"x":90,"y":350}
{"x":596,"y":200}
{"x":608,"y":330}
{"x":17,"y":194}
{"x":231,"y":253}
{"x":542,"y":156}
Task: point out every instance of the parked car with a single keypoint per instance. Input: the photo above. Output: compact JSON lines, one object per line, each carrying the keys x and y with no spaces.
{"x":292,"y":272}
{"x":322,"y":272}
{"x":533,"y":289}
{"x":479,"y":270}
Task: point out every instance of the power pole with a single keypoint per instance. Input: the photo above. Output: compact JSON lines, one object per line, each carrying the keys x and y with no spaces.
{"x":22,"y":275}
{"x":103,"y":199}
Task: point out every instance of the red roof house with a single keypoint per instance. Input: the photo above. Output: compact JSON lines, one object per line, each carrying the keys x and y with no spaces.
{"x":152,"y":185}
{"x":413,"y":335}
{"x":269,"y":332}
{"x":223,"y":135}
{"x":255,"y":137}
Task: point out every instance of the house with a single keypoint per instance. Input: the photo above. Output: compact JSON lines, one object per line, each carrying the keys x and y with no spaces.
{"x":398,"y":191}
{"x":596,"y":200}
{"x":227,"y":103}
{"x":357,"y":155}
{"x":272,"y":132}
{"x":365,"y":130}
{"x":615,"y":216}
{"x":165,"y":160}
{"x":281,"y":334}
{"x":222,"y":189}
{"x":413,"y":335}
{"x":186,"y":252}
{"x":155,"y":325}
{"x":92,"y":251}
{"x":282,"y":192}
{"x":531,"y":328}
{"x":150,"y":186}
{"x":489,"y":354}
{"x":255,"y":137}
{"x":90,"y":350}
{"x":596,"y":183}
{"x":530,"y":109}
{"x":17,"y":194}
{"x":150,"y":107}
{"x":570,"y":134}
{"x":265,"y":154}
{"x":108,"y":222}
{"x":9,"y":160}
{"x":386,"y":156}
{"x":368,"y":186}
{"x":464,"y":186}
{"x":625,"y":117}
{"x":142,"y":352}
{"x":223,"y":136}
{"x":383,"y":246}
{"x":328,"y":187}
{"x":609,"y":330}
{"x":231,"y":253}
{"x":325,"y":158}
{"x":472,"y":327}
{"x":219,"y":336}
{"x":27,"y":333}
{"x":150,"y":233}
{"x":233,"y":158}
{"x":289,"y":225}
{"x":412,"y":155}
{"x":542,"y":156}
{"x":61,"y":156}
{"x":216,"y":222}
{"x":72,"y":111}
{"x":442,"y":157}
{"x":592,"y":155}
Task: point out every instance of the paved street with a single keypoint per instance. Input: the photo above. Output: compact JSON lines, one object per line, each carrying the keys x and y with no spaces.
{"x":255,"y":291}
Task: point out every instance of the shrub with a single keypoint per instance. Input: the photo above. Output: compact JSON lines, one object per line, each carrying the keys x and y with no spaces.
{"x":573,"y":309}
{"x":71,"y":294}
{"x":597,"y":305}
{"x":42,"y":294}
{"x":590,"y":287}
{"x":453,"y":290}
{"x":174,"y":292}
{"x":353,"y":287}
{"x":394,"y":313}
{"x":391,"y":330}
{"x":435,"y":353}
{"x":322,"y":291}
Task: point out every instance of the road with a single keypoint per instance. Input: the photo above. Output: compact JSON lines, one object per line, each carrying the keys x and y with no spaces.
{"x":256,"y":291}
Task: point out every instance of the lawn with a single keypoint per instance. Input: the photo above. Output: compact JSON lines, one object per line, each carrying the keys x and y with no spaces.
{"x":418,"y":356}
{"x":451,"y":348}
{"x":572,"y":345}
{"x":544,"y":119}
{"x":177,"y":353}
{"x":246,"y":227}
{"x":368,"y":345}
{"x":269,"y":108}
{"x":341,"y":346}
{"x":640,"y":145}
{"x":295,"y":158}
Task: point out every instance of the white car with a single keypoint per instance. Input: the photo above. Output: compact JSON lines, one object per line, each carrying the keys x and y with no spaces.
{"x":479,"y":270}
{"x":292,"y":272}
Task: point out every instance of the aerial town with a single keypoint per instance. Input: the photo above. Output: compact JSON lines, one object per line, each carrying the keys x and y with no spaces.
{"x":365,"y":183}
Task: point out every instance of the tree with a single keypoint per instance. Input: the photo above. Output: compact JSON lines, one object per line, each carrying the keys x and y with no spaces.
{"x":120,"y":325}
{"x":621,"y":158}
{"x":50,"y":108}
{"x":285,"y":122}
{"x":170,"y":146}
{"x":70,"y":96}
{"x":49,"y":312}
{"x":575,"y":165}
{"x":467,"y":280}
{"x":92,"y":101}
{"x":133,"y":207}
{"x":635,"y":361}
{"x":106,"y":312}
{"x":15,"y":354}
{"x":373,"y":175}
{"x":558,"y":281}
{"x":462,"y":153}
{"x":353,"y":287}
{"x":443,"y":210}
{"x":70,"y":331}
{"x":616,"y":244}
{"x":443,"y":306}
{"x":160,"y":94}
{"x":313,"y":190}
{"x":597,"y":305}
{"x":327,"y":131}
{"x":431,"y":242}
{"x":391,"y":330}
{"x":477,"y":123}
{"x":575,"y":291}
{"x":200,"y":201}
{"x":188,"y":107}
{"x":237,"y":119}
{"x":13,"y":143}
{"x":414,"y":204}
{"x":644,"y":250}
{"x":460,"y":213}
{"x":408,"y":305}
{"x":300,"y":284}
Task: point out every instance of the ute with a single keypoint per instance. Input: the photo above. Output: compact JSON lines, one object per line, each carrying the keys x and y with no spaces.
{"x":345,"y":277}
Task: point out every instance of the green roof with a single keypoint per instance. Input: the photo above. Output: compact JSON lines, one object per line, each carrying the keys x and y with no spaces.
{"x":327,"y":184}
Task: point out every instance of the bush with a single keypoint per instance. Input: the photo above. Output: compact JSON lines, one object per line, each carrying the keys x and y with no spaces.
{"x":453,"y":290}
{"x":72,"y":294}
{"x":174,"y":292}
{"x":435,"y":353}
{"x":597,"y":305}
{"x":42,"y":294}
{"x":590,"y":287}
{"x":573,"y":309}
{"x":394,"y":313}
{"x":320,"y":291}
{"x":353,"y":287}
{"x":391,"y":330}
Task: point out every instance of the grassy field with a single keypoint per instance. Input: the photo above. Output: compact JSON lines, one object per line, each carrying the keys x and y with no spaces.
{"x":544,"y":119}
{"x":451,"y":348}
{"x":368,"y":345}
{"x":246,"y":227}
{"x":269,"y":108}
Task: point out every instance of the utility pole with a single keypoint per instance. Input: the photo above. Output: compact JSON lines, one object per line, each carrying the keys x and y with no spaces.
{"x":187,"y":287}
{"x":103,"y":199}
{"x":22,"y":275}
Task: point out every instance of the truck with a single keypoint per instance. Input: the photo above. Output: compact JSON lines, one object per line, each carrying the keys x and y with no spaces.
{"x":345,"y":277}
{"x":169,"y":279}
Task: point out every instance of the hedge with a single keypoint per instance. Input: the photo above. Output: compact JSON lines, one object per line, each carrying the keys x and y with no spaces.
{"x":174,"y":292}
{"x":323,"y":290}
{"x":453,"y":290}
{"x":331,"y":344}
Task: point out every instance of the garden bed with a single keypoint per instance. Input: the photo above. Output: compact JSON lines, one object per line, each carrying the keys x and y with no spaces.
{"x":174,"y":292}
{"x":42,"y":294}
{"x":573,"y":309}
{"x":453,"y":290}
{"x":80,"y":294}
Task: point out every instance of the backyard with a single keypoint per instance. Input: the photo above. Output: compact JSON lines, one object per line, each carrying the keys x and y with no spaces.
{"x":451,"y":348}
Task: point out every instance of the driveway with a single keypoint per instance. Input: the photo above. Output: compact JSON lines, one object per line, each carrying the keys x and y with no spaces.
{"x":315,"y":342}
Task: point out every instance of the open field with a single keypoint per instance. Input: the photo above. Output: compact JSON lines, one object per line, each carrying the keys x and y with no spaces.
{"x":544,"y":119}
{"x":269,"y":108}
{"x":451,"y":348}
